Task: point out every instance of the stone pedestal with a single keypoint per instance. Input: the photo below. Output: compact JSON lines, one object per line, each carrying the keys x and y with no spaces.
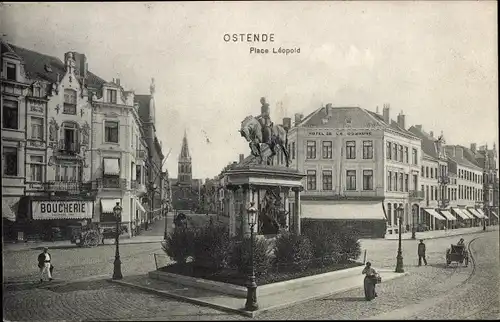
{"x":270,"y":188}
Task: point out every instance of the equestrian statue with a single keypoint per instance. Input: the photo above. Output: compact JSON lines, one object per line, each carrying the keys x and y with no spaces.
{"x":261,"y":130}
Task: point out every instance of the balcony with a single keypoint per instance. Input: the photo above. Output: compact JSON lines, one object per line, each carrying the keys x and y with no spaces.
{"x":70,"y":187}
{"x":68,"y":147}
{"x":416,"y":194}
{"x":112,"y":183}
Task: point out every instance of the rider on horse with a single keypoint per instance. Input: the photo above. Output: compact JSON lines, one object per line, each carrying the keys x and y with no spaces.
{"x":265,"y":121}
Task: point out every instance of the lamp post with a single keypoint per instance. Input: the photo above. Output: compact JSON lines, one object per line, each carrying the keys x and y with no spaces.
{"x":117,"y":271}
{"x":251,"y":303}
{"x":399,"y":258}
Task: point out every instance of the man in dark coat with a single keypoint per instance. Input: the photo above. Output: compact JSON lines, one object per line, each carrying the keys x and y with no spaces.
{"x":44,"y":264}
{"x":421,"y":253}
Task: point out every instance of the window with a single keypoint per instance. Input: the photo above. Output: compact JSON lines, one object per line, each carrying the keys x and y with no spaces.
{"x":400,"y":150}
{"x":389,"y":214}
{"x":68,"y":172}
{"x":414,"y":156}
{"x":401,"y":182}
{"x":422,"y":171}
{"x":36,"y":92}
{"x":435,"y":193}
{"x":407,"y":179}
{"x":111,"y":131}
{"x":327,"y":180}
{"x":10,"y":161}
{"x":422,"y":188}
{"x":389,"y":181}
{"x":395,"y":152}
{"x":311,"y":179}
{"x":406,"y":155}
{"x":11,"y":71}
{"x":36,"y":128}
{"x":311,"y":150}
{"x":395,"y":181}
{"x":388,"y":151}
{"x":427,"y":195}
{"x":350,"y":149}
{"x":327,"y":150}
{"x":293,"y":150}
{"x":367,"y":149}
{"x":111,"y":95}
{"x":351,"y":180}
{"x":432,"y":172}
{"x":427,"y":172}
{"x":367,"y":179}
{"x":36,"y":168}
{"x":69,"y":142}
{"x":69,"y":102}
{"x":10,"y":115}
{"x":415,"y":182}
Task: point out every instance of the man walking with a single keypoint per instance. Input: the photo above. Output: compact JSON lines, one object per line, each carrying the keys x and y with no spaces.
{"x":44,"y":264}
{"x":421,"y":253}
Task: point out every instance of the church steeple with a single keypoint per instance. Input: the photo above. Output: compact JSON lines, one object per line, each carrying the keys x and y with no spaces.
{"x":184,"y":167}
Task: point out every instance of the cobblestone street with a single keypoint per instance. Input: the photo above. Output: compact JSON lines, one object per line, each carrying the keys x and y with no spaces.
{"x":429,"y":292}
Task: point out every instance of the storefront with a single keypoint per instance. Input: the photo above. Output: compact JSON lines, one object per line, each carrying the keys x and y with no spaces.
{"x":56,"y":219}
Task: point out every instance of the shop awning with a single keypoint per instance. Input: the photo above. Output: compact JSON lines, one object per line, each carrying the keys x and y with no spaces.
{"x":139,"y":206}
{"x":434,"y":213}
{"x":462,"y":213}
{"x":343,"y":211}
{"x":107,"y":205}
{"x":475,"y":213}
{"x":9,"y":208}
{"x":111,"y":167}
{"x":482,"y":213}
{"x":494,"y":214}
{"x":448,"y":215}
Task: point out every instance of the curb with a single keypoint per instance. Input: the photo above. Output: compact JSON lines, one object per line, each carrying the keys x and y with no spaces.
{"x":437,"y":237}
{"x":35,"y":247}
{"x":242,"y":311}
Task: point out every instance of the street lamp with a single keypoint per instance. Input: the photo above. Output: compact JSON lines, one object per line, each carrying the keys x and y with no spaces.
{"x":117,"y":271}
{"x":399,"y":258}
{"x":251,"y":303}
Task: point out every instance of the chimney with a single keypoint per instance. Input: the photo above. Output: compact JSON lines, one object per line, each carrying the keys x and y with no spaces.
{"x":81,"y":65}
{"x":401,"y":120}
{"x":460,"y":152}
{"x":117,"y":81}
{"x":418,"y":127}
{"x":329,"y":111}
{"x":242,"y":157}
{"x":431,"y":134}
{"x":287,"y":123}
{"x":298,"y":118}
{"x":376,"y":111}
{"x":473,"y":147}
{"x":385,"y":112}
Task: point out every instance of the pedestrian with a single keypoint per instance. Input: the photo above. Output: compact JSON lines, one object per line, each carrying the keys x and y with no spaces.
{"x":421,"y":253}
{"x":44,"y":264}
{"x":461,"y":242}
{"x":371,"y":277}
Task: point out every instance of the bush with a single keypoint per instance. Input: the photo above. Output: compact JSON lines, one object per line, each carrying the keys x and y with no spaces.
{"x":211,"y":245}
{"x":325,"y":246}
{"x":240,"y":256}
{"x":292,"y":252}
{"x":179,"y":245}
{"x":349,"y":245}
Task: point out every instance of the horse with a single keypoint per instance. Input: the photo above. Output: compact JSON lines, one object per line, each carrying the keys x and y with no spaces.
{"x":276,"y":135}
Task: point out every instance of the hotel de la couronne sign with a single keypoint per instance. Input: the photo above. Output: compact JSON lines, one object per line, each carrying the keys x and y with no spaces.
{"x":62,"y":209}
{"x":340,"y":133}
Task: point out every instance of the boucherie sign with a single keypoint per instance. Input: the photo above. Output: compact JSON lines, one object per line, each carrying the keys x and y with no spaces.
{"x":59,"y":209}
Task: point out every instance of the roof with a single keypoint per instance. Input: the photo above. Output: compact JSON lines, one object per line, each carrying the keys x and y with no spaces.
{"x":428,"y":142}
{"x":463,"y":161}
{"x":36,"y":67}
{"x":393,"y":124}
{"x":143,"y":101}
{"x":185,"y":148}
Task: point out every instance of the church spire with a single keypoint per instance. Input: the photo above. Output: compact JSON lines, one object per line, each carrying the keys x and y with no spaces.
{"x":185,"y":148}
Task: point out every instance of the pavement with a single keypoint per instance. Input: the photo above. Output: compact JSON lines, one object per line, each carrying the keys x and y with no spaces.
{"x":231,"y":303}
{"x":440,"y":233}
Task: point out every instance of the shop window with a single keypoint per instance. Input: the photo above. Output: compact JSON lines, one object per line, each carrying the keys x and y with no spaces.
{"x":10,"y":115}
{"x":111,"y":131}
{"x":10,"y":166}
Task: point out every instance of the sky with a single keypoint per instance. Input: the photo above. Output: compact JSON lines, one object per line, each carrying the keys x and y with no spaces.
{"x":435,"y":61}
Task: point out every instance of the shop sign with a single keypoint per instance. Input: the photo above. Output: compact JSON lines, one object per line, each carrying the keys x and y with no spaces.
{"x":340,"y":133}
{"x":62,"y":209}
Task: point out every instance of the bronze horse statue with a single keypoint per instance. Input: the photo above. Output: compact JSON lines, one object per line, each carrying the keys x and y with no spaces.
{"x":256,"y":134}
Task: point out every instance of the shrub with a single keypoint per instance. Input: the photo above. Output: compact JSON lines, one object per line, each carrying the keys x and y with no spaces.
{"x":211,"y":245}
{"x":325,"y":247}
{"x":179,"y":245}
{"x":349,"y":245}
{"x":240,"y":256}
{"x":292,"y":252}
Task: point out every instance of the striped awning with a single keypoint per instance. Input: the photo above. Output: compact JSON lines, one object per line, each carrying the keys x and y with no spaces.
{"x":9,"y":207}
{"x":448,"y":215}
{"x":482,"y":213}
{"x":434,"y":213}
{"x":139,"y":206}
{"x":111,"y":166}
{"x":494,"y":214}
{"x":343,"y":211}
{"x":107,"y":205}
{"x":462,"y":213}
{"x":475,"y":213}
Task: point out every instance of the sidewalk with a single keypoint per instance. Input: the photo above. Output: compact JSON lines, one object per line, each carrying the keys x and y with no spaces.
{"x":269,"y":302}
{"x":441,"y":233}
{"x":22,"y":246}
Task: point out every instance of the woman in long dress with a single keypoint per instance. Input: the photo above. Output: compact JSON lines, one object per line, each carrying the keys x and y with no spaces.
{"x":370,"y":281}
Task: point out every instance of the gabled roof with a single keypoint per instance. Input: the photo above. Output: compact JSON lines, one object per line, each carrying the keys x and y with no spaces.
{"x":393,"y":124}
{"x":428,"y":142}
{"x":463,"y":161}
{"x":337,"y":118}
{"x":143,"y":101}
{"x":44,"y":67}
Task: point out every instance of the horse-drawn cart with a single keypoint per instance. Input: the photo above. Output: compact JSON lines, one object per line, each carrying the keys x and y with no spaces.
{"x":457,"y":253}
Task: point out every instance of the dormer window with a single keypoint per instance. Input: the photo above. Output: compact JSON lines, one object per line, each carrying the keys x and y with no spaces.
{"x":111,"y":96}
{"x":11,"y":71}
{"x":69,"y":102}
